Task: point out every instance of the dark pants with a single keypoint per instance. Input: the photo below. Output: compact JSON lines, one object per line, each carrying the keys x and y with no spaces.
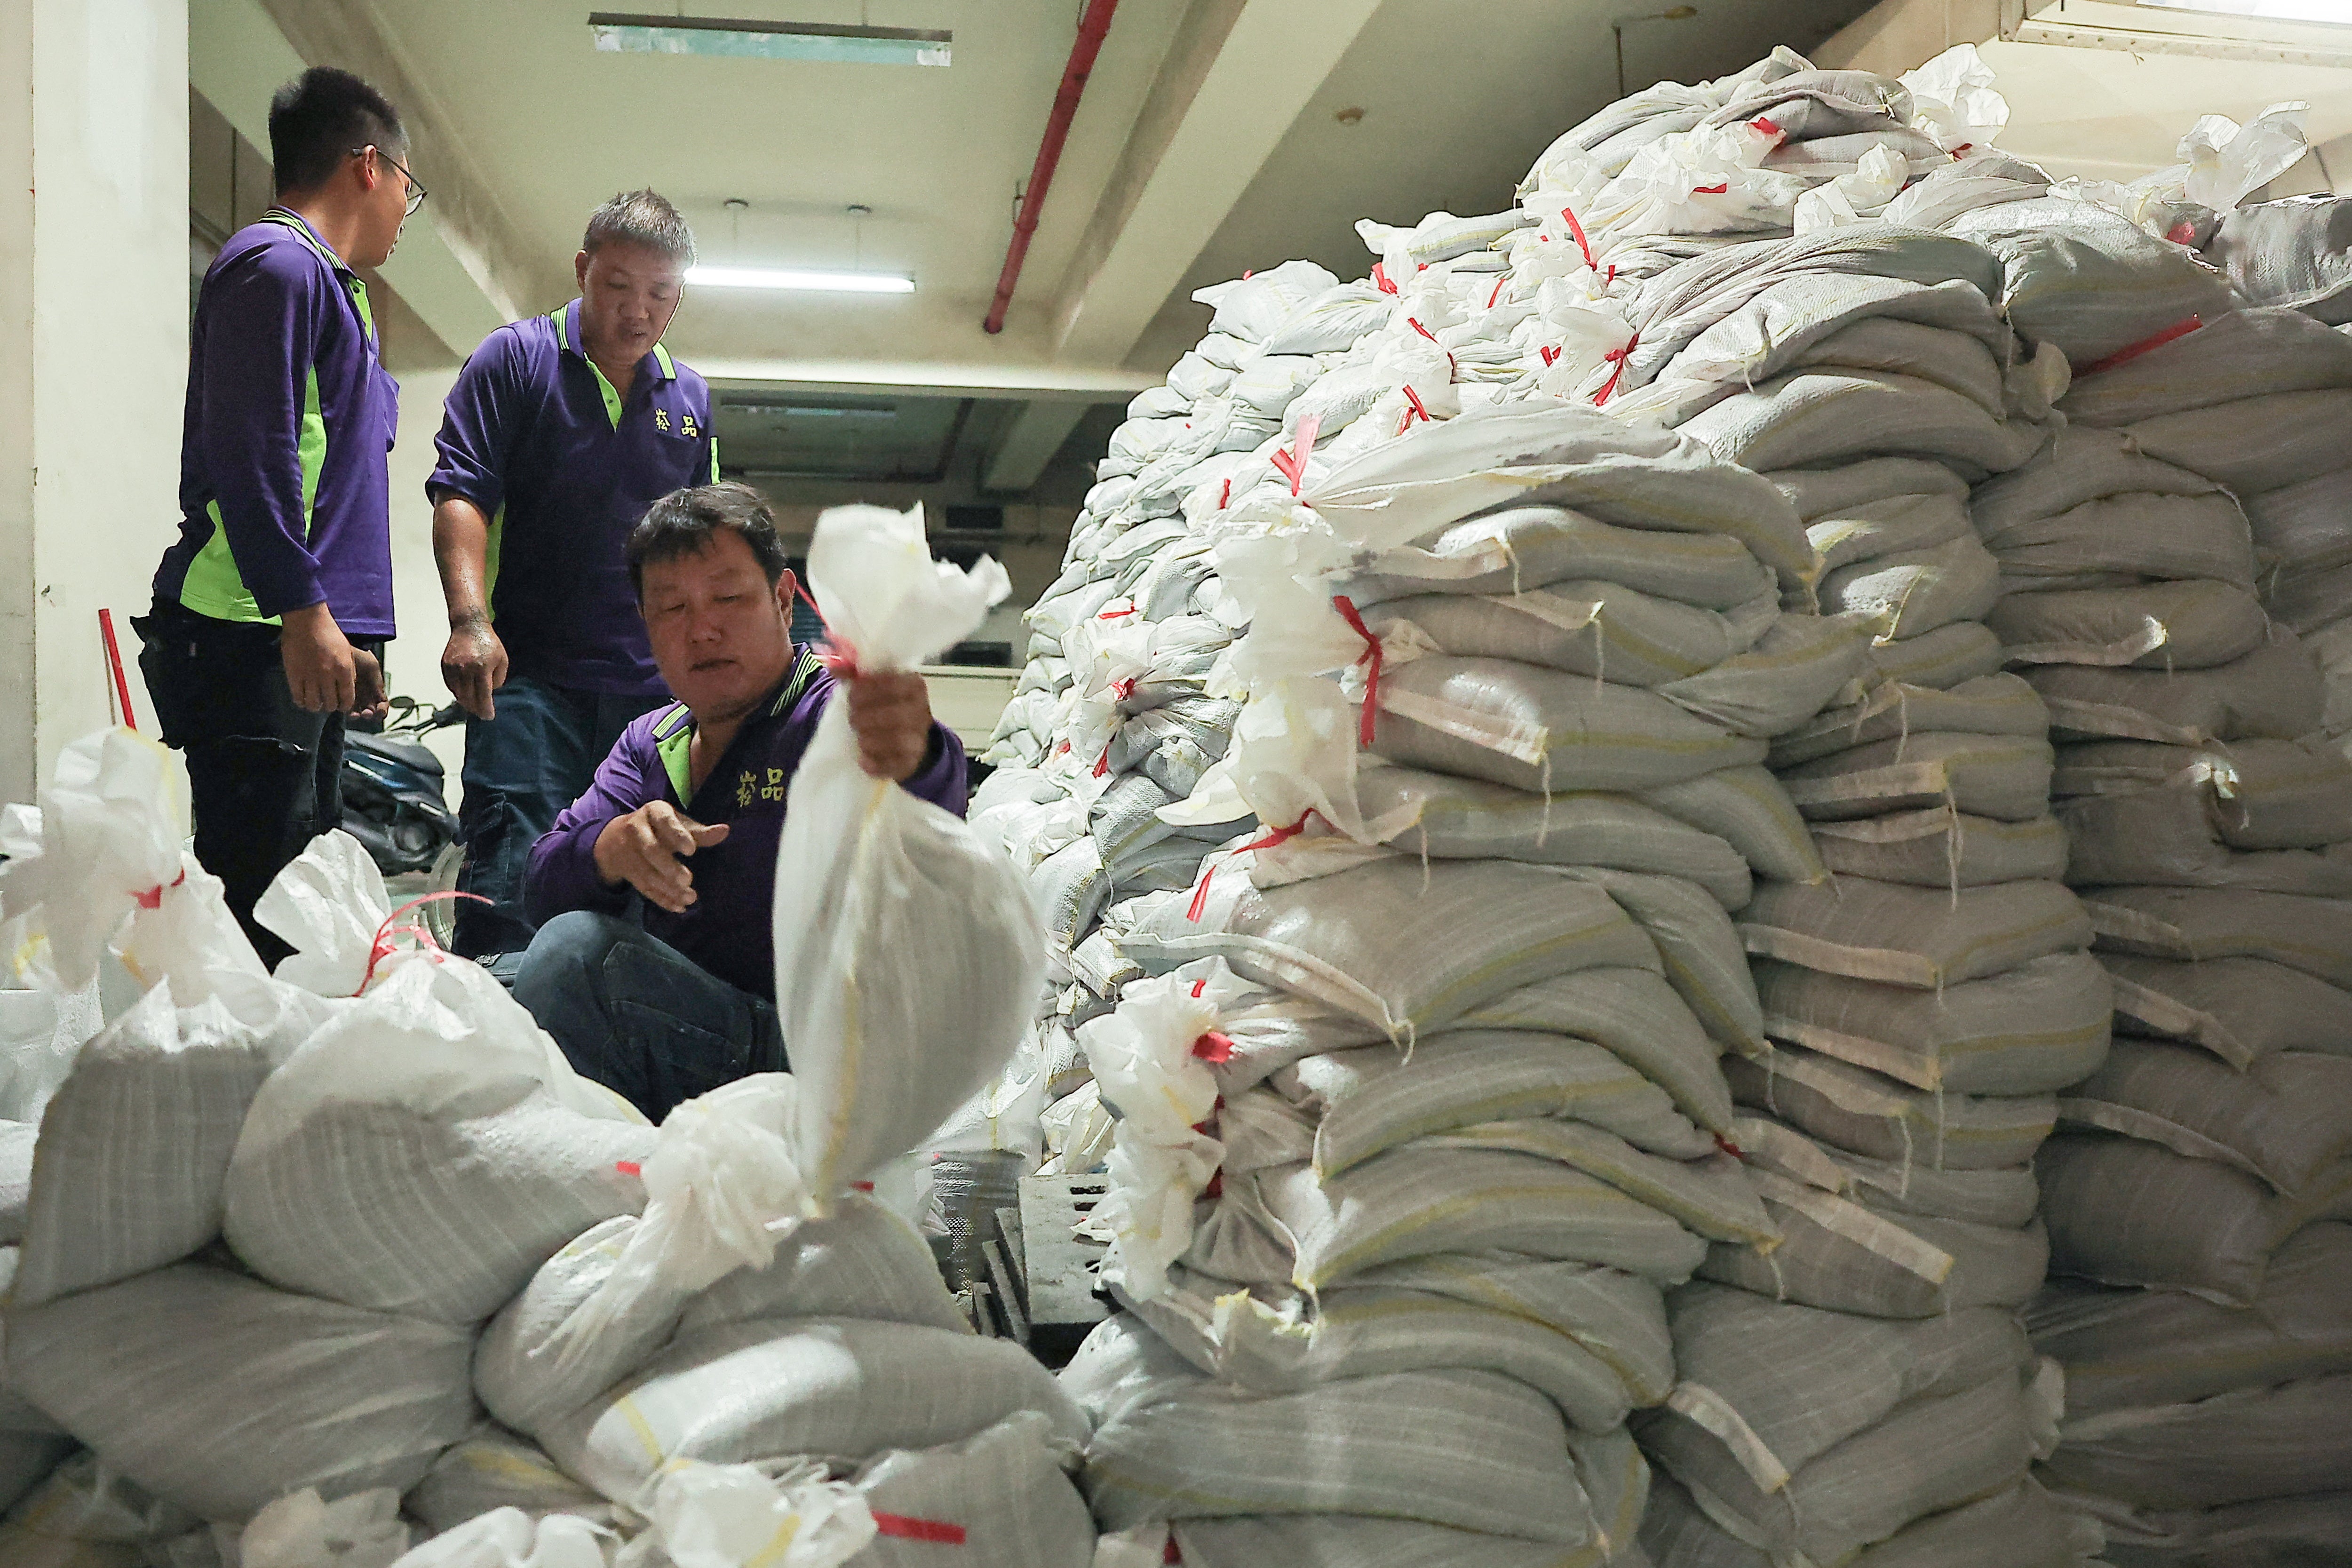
{"x":639,"y":1016}
{"x":264,"y":777}
{"x":522,"y":768}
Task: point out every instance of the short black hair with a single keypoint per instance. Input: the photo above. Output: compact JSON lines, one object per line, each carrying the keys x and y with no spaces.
{"x":640,"y":217}
{"x":317,"y":118}
{"x":683,"y":523}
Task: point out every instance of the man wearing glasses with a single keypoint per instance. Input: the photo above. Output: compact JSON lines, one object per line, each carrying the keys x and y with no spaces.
{"x":559,"y":434}
{"x":272,"y":607}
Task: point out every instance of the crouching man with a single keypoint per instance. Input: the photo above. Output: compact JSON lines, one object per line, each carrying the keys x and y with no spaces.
{"x":652,"y":966}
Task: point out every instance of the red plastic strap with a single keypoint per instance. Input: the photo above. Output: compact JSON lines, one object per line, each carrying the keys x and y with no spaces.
{"x":1123,"y":690}
{"x":1711,"y":190}
{"x":862,"y":1186}
{"x":114,"y":668}
{"x":2145,"y":345}
{"x":1293,"y":463}
{"x":1612,"y":276}
{"x":1199,"y":986}
{"x":1115,"y":614}
{"x":1550,"y":355}
{"x":1270,"y":839}
{"x":839,"y":657}
{"x":1380,"y":279}
{"x":154,"y":897}
{"x":1729,"y":1147}
{"x":1962,"y":148}
{"x":1576,"y":229}
{"x":628,"y":1167}
{"x":1213,"y":1192}
{"x":906,"y":1529}
{"x":1764,"y":125}
{"x":1497,"y":294}
{"x":1248,"y":273}
{"x":1172,"y":1554}
{"x":1370,"y":657}
{"x":1414,"y":409}
{"x":1225,"y":496}
{"x":380,"y":949}
{"x":2182,"y":233}
{"x":1102,"y":764}
{"x":1414,"y":322}
{"x":1214,"y":1046}
{"x":1617,"y":358}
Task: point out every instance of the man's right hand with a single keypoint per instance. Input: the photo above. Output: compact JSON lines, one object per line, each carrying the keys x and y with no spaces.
{"x":475,"y":664}
{"x":643,"y":849}
{"x":322,"y":667}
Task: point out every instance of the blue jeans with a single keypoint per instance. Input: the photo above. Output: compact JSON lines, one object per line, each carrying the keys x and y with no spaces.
{"x":522,"y":768}
{"x":639,"y":1016}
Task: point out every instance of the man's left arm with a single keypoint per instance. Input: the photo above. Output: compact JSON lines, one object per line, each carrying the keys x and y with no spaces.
{"x":890,"y":714}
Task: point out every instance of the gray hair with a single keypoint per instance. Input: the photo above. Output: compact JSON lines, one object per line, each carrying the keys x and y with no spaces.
{"x":640,"y":217}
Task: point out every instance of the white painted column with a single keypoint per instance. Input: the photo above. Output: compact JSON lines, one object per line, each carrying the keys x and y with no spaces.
{"x":93,"y":351}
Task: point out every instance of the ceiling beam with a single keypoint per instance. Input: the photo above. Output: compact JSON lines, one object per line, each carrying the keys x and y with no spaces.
{"x":1030,"y":440}
{"x":1079,"y":385}
{"x":459,"y":266}
{"x":1234,"y":79}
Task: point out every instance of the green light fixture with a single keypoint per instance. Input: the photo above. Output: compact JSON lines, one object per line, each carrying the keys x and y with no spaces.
{"x":620,"y":32}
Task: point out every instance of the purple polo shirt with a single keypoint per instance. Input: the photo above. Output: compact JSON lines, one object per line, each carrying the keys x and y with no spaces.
{"x":726,"y":930}
{"x":285,"y":500}
{"x":564,"y":467}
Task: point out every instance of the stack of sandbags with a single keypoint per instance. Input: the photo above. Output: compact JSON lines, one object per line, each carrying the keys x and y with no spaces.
{"x":1437,"y":1055}
{"x":1864,"y":1392}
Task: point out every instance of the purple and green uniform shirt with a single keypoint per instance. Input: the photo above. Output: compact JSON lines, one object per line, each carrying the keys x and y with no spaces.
{"x":726,"y":930}
{"x":563,"y":467}
{"x":285,"y":496}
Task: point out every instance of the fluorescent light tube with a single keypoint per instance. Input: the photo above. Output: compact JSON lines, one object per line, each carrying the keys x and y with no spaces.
{"x":813,"y":282}
{"x":741,"y":38}
{"x":2335,"y":12}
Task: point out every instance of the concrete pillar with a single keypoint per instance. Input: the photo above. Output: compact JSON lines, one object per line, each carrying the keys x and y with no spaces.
{"x":93,"y":351}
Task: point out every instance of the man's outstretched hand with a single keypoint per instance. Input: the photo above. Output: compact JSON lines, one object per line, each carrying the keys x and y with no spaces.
{"x":645,"y":850}
{"x":891,"y":715}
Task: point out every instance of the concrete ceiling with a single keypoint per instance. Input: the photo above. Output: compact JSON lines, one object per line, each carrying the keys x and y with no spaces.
{"x":1209,"y":141}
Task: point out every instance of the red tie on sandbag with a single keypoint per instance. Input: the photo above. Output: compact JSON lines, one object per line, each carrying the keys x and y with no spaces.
{"x":903,"y":1528}
{"x":1369,"y":660}
{"x":2123,"y":356}
{"x":1273,"y":838}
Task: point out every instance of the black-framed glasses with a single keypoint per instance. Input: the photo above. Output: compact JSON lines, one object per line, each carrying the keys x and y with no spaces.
{"x":416,"y":192}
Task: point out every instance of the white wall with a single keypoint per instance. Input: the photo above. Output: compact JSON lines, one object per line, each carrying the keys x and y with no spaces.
{"x":415,"y":655}
{"x":93,"y":351}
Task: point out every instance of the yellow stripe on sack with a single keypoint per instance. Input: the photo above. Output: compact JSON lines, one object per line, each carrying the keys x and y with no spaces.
{"x":772,"y":1553}
{"x":626,"y":1408}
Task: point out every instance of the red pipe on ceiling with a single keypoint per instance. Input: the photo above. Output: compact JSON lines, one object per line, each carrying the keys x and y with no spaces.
{"x":1088,"y":43}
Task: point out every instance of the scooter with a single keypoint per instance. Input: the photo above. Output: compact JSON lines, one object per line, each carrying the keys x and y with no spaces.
{"x":394,"y":795}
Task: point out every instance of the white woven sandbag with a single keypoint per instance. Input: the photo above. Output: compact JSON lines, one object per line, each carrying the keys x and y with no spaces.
{"x":1699,"y":947}
{"x":1944,"y":657}
{"x":1816,"y":417}
{"x":401,"y":1161}
{"x":1540,"y":729}
{"x":494,"y":1468}
{"x":1767,"y":1388}
{"x":2240,"y":1009}
{"x":2168,"y":838}
{"x":513,"y":1538}
{"x":2235,"y":1447}
{"x":1350,"y":1541}
{"x":2255,"y":444}
{"x":2288,"y":253}
{"x":2245,"y":354}
{"x":1635,"y":1015}
{"x":2115,"y":540}
{"x":1914,"y":592}
{"x":2029,"y":1030}
{"x":877,"y":874}
{"x":1987,"y":705}
{"x":1799,"y":665}
{"x":1456,"y":818}
{"x":1940,"y":846}
{"x":2316,"y":1528}
{"x":2126,"y":1348}
{"x":1903,"y":484}
{"x":2124,"y":1211}
{"x":129,"y":1172}
{"x":1913,"y":936}
{"x":1331,"y":321}
{"x":2001,"y":1196}
{"x":1598,"y":1349}
{"x":2260,"y":795}
{"x":1519,"y":548}
{"x":1251,"y":308}
{"x":2022,"y":1527}
{"x":1581,"y":626}
{"x":2274,"y":692}
{"x":1747,"y":808}
{"x":1365,"y":1102}
{"x":2314,"y":935}
{"x":1465,"y":1448}
{"x":1427,"y":1198}
{"x":1871,"y":1259}
{"x":1939,"y":1453}
{"x":2088,"y":279}
{"x":2001,"y":776}
{"x":1869,"y":1113}
{"x":2078,"y":466}
{"x":1562,"y":455}
{"x":1707,"y":1195}
{"x":1000,"y":1499}
{"x":2306,"y":527}
{"x":2189,"y":624}
{"x":218,"y":1393}
{"x":2287,"y":1119}
{"x":1357,"y":941}
{"x":812,"y":1385}
{"x":88,"y":1514}
{"x":1886,"y":525}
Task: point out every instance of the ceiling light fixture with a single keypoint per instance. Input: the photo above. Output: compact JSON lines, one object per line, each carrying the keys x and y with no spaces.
{"x":619,"y":32}
{"x":2337,"y":13}
{"x":811,"y":282}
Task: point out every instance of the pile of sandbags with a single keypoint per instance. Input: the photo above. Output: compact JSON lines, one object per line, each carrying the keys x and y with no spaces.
{"x":283,"y":1239}
{"x":1420,"y":1111}
{"x":2154,"y":557}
